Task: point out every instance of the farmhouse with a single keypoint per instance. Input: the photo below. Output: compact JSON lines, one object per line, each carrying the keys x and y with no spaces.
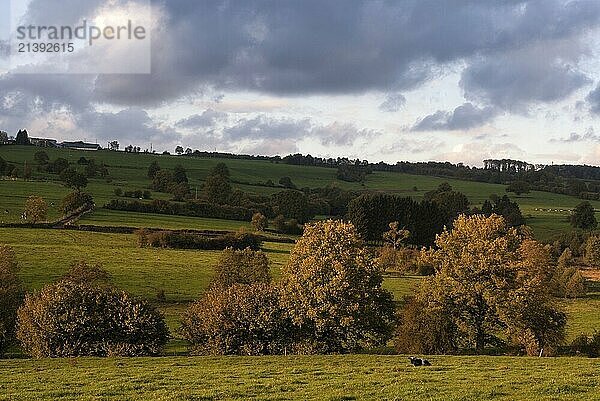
{"x":79,"y":145}
{"x":44,"y":142}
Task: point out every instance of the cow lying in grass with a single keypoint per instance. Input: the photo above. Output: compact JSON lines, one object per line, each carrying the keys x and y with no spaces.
{"x":419,"y":361}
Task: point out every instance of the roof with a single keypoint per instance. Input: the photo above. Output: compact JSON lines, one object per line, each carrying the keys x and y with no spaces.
{"x":80,"y":145}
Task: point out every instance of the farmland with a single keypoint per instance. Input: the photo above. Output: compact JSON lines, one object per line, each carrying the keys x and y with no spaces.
{"x":44,"y":255}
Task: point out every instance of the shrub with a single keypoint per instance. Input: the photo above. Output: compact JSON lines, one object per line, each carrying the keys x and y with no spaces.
{"x":592,"y":251}
{"x":585,"y":345}
{"x":11,"y":295}
{"x":238,"y":320}
{"x":259,"y":222}
{"x":118,"y":192}
{"x":241,"y":267}
{"x":280,"y":224}
{"x":76,"y":200}
{"x":83,"y":273}
{"x":182,"y":240}
{"x":68,"y":319}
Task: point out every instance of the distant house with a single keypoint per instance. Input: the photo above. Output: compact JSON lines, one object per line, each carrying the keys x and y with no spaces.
{"x":79,"y":145}
{"x":44,"y":142}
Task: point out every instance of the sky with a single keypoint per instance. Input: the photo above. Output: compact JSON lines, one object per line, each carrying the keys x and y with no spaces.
{"x":415,"y":80}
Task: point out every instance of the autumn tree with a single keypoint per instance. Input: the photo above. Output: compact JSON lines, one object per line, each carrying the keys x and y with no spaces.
{"x":583,"y":217}
{"x":76,"y":200}
{"x":241,"y":267}
{"x":259,"y":222}
{"x":490,"y":282}
{"x":331,"y":288}
{"x":36,"y":208}
{"x":396,"y":235}
{"x":11,"y":294}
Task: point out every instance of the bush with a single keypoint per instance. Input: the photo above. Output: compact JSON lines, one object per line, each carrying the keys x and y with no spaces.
{"x":239,"y":320}
{"x":67,"y":319}
{"x":36,"y":209}
{"x":11,"y":295}
{"x":241,"y":267}
{"x":83,"y":273}
{"x":259,"y":222}
{"x":76,"y":200}
{"x":181,"y":240}
{"x":280,"y":224}
{"x":585,"y":345}
{"x":118,"y":192}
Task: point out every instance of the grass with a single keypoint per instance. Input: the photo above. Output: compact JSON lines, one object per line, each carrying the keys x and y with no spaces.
{"x":347,"y":377}
{"x":128,"y":171}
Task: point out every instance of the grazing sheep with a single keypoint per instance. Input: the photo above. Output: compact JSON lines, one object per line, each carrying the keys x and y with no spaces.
{"x":419,"y":361}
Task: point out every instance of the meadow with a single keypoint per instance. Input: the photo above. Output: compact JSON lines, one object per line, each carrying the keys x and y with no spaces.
{"x":345,"y":377}
{"x":45,"y":255}
{"x":545,"y":212}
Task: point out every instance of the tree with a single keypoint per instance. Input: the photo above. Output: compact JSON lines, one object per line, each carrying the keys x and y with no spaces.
{"x":163,"y":179}
{"x":221,"y":169}
{"x":217,"y":188}
{"x":11,"y":294}
{"x":592,"y":251}
{"x":3,"y":137}
{"x":286,"y":182}
{"x":58,"y":166}
{"x":26,"y":171}
{"x":36,"y":208}
{"x":259,"y":222}
{"x":179,"y":150}
{"x":179,"y":174}
{"x":188,"y":151}
{"x":69,"y":319}
{"x":74,"y":179}
{"x":292,"y":204}
{"x":396,"y":235}
{"x":518,"y":187}
{"x":331,"y":288}
{"x":3,"y":167}
{"x":22,"y":138}
{"x":75,"y":201}
{"x":153,"y":169}
{"x":41,"y":157}
{"x":489,"y":280}
{"x":237,"y":320}
{"x":583,"y":217}
{"x":113,"y":145}
{"x":241,"y":267}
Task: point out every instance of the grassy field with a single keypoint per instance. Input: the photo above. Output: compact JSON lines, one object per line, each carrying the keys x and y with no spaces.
{"x":546,"y":213}
{"x":350,"y":377}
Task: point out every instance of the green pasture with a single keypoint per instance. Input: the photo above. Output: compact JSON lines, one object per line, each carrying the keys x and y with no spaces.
{"x":344,"y":377}
{"x":546,"y":213}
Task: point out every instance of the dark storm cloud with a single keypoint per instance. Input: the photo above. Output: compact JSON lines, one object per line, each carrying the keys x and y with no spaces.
{"x":593,"y":98}
{"x":462,"y":118}
{"x":293,"y":47}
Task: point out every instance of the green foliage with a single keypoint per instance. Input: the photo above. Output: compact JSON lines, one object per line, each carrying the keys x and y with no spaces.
{"x":75,"y":201}
{"x":36,"y":209}
{"x":453,"y":203}
{"x":586,"y":345}
{"x":67,"y":319}
{"x":292,"y":204}
{"x":583,"y":217}
{"x":286,"y":182}
{"x":58,"y":165}
{"x":74,"y":179}
{"x":237,"y":320}
{"x":518,"y":187}
{"x":291,"y":226}
{"x":503,"y":206}
{"x":331,"y":287}
{"x":241,"y":267}
{"x":11,"y":294}
{"x":153,"y":169}
{"x":183,"y":240}
{"x":259,"y":222}
{"x":217,"y":188}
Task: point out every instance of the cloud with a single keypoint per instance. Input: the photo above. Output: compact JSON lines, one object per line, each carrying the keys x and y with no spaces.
{"x":589,"y":135}
{"x":208,"y":118}
{"x":393,"y":103}
{"x":515,"y":80}
{"x":474,"y":153}
{"x":463,"y":117}
{"x":132,"y":125}
{"x":593,"y":98}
